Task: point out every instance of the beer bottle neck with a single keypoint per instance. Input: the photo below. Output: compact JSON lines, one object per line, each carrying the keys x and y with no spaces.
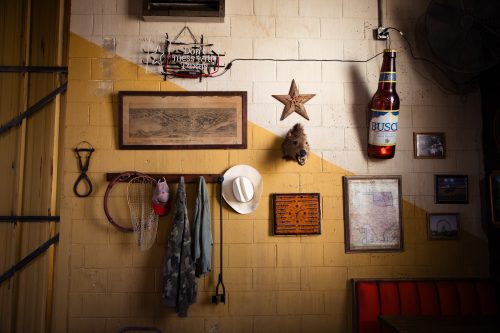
{"x":387,"y":79}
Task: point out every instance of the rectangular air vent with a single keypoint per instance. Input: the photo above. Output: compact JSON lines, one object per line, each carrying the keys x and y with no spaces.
{"x":183,"y":10}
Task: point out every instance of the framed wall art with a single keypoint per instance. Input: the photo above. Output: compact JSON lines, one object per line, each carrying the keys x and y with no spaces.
{"x":297,"y":213}
{"x":451,"y":189}
{"x":373,"y":213}
{"x":429,"y":145}
{"x":182,"y":120}
{"x":495,"y":197}
{"x":442,"y":226}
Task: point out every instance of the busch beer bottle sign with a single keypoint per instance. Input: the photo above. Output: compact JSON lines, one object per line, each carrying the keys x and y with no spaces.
{"x":384,"y":108}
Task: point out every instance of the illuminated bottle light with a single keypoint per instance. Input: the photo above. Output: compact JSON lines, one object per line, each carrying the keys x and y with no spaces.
{"x":384,"y":107}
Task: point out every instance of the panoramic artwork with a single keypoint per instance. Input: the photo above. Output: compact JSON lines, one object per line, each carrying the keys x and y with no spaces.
{"x":182,"y":120}
{"x":372,"y":213}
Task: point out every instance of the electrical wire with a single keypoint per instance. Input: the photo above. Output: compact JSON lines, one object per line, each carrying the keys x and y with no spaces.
{"x":386,"y":32}
{"x":435,"y":65}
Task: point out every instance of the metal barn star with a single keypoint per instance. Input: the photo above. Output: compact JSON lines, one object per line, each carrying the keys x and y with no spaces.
{"x":294,"y":102}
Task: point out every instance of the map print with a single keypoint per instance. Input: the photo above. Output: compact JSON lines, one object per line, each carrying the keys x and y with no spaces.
{"x":182,"y":123}
{"x":374,"y":214}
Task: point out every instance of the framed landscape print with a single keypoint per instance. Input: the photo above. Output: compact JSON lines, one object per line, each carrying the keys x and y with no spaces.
{"x":451,"y":189}
{"x":442,"y":226}
{"x":429,"y":145}
{"x":182,"y":120}
{"x":373,"y":213}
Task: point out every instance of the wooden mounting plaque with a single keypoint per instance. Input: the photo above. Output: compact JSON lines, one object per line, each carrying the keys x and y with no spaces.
{"x":297,"y":214}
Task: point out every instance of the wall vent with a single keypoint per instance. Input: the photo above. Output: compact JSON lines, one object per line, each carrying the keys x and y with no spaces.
{"x":183,"y":10}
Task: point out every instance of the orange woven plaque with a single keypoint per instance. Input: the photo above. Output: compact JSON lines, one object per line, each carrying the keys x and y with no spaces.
{"x":297,"y":214}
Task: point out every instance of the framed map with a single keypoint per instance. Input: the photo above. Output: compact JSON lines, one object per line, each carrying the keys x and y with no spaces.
{"x":182,"y":120}
{"x":373,"y":213}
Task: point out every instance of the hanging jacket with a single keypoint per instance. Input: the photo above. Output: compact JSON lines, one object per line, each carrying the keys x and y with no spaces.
{"x":179,"y":280}
{"x":202,"y":233}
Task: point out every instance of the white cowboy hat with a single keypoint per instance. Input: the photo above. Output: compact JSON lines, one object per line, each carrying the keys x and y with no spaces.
{"x":242,"y":188}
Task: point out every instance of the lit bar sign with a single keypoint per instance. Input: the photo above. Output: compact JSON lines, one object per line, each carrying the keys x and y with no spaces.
{"x":192,"y":59}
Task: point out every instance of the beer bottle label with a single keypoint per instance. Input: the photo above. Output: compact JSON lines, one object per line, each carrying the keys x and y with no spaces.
{"x":383,"y":127}
{"x":387,"y":77}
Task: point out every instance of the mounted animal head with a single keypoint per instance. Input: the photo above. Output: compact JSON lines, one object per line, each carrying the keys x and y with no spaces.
{"x":295,"y":147}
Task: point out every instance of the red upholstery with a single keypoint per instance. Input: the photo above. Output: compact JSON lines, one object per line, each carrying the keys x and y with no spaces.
{"x":427,"y":297}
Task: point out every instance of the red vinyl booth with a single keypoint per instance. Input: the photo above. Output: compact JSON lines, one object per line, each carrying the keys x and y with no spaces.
{"x":419,"y":297}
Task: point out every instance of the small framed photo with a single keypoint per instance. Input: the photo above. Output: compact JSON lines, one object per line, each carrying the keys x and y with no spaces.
{"x":442,"y":226}
{"x":452,"y":189}
{"x":429,"y":145}
{"x":495,"y":197}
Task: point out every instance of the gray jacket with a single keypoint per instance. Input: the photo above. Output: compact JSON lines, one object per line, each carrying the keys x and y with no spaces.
{"x":179,"y":280}
{"x":202,"y":233}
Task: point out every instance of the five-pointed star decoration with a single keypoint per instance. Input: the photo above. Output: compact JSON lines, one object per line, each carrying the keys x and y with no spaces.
{"x":294,"y":102}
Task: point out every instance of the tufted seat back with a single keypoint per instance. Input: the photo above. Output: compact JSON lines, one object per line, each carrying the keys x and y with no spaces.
{"x":419,"y":297}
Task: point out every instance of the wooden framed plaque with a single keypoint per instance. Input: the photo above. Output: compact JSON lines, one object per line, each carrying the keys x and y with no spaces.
{"x":297,"y":213}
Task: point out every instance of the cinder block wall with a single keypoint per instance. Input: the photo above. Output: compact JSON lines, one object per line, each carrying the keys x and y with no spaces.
{"x":286,"y":284}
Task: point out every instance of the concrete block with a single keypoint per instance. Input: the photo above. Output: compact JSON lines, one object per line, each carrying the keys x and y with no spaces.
{"x":263,"y":91}
{"x":79,"y":69}
{"x":327,"y":184}
{"x":229,"y":324}
{"x":238,"y":232}
{"x":252,"y":303}
{"x":320,"y":8}
{"x":358,"y":93}
{"x":324,"y":138}
{"x":89,"y":231}
{"x":131,"y":280}
{"x":239,"y":7}
{"x":286,"y":278}
{"x":82,"y":25}
{"x":264,"y":115}
{"x":105,"y":305}
{"x":132,"y":7}
{"x":89,"y":280}
{"x":238,"y":279}
{"x":297,"y":27}
{"x":355,"y":139}
{"x":321,"y":49}
{"x":360,"y":8}
{"x":84,"y":325}
{"x":278,"y":48}
{"x":332,"y":207}
{"x":321,"y":323}
{"x":89,"y":91}
{"x":335,"y":256}
{"x":369,"y":271}
{"x":79,"y":7}
{"x":300,"y":71}
{"x":299,"y":255}
{"x":276,"y":7}
{"x":77,"y":114}
{"x":107,"y":256}
{"x":253,"y":26}
{"x":271,"y":324}
{"x":253,"y":71}
{"x":113,"y":69}
{"x":323,"y":278}
{"x":343,"y":72}
{"x":120,"y":25}
{"x":103,"y":114}
{"x":300,"y":302}
{"x":104,"y":6}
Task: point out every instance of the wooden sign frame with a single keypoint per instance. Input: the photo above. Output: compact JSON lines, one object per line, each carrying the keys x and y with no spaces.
{"x":297,"y":213}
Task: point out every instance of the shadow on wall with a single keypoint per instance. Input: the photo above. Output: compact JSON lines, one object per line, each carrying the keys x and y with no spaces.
{"x":363,"y":96}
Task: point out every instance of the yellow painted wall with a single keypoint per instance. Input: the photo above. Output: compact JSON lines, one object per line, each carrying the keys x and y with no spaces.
{"x":285,"y":284}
